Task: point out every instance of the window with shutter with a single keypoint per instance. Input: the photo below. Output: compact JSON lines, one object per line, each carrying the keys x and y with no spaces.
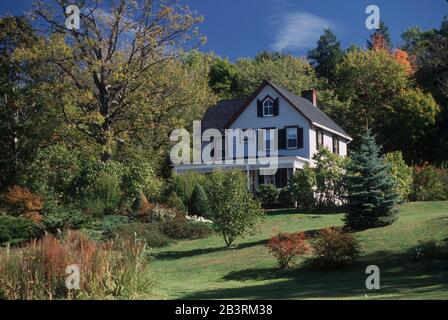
{"x":268,"y":108}
{"x":299,"y":138}
{"x":319,"y":138}
{"x":335,"y":145}
{"x":291,"y":138}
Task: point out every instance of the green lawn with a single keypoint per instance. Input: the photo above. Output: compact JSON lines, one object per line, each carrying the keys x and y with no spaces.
{"x":205,"y":269}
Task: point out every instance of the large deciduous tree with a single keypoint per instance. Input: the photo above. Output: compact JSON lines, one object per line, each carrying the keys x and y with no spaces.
{"x":25,"y":122}
{"x":294,"y":74}
{"x":431,"y":51}
{"x":377,"y":93}
{"x":116,"y":72}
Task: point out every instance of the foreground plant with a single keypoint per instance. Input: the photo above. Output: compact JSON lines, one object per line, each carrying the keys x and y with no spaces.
{"x":235,"y":212}
{"x":38,"y":271}
{"x":286,"y":247}
{"x":335,"y":248}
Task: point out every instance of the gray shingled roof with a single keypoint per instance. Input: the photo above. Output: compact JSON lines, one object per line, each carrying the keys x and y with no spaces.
{"x":217,"y":116}
{"x":315,"y":115}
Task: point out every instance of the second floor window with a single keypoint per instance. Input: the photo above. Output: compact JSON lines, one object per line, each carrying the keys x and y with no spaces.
{"x":268,"y":137}
{"x":247,"y":136}
{"x":268,"y":108}
{"x":291,"y":138}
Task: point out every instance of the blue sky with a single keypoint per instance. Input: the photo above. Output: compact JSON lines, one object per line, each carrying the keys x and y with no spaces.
{"x":241,"y":28}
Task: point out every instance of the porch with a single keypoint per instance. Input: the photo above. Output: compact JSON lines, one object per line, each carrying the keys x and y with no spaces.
{"x":256,"y":173}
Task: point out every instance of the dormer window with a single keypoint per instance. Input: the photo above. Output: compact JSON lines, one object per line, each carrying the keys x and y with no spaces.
{"x":268,"y":107}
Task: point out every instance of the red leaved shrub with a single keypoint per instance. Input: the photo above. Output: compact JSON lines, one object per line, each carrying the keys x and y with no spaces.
{"x":286,"y":247}
{"x":335,"y":248}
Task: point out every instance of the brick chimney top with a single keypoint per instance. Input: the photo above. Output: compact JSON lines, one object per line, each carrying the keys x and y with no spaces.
{"x":311,"y":96}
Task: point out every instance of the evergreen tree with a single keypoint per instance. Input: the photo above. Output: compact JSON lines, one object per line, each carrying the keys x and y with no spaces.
{"x":326,"y":55}
{"x":371,"y":200}
{"x":199,"y":202}
{"x":175,"y":202}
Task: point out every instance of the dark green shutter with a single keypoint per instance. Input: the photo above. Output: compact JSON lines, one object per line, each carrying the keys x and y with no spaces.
{"x":260,"y":178}
{"x":278,"y":178}
{"x":276,"y":107}
{"x":281,"y":139}
{"x":299,"y":137}
{"x":259,"y":108}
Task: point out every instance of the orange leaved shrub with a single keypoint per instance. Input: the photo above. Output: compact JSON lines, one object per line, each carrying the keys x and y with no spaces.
{"x":21,"y":201}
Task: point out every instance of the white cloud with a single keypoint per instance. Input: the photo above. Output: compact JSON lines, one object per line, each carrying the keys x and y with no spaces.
{"x":299,"y":30}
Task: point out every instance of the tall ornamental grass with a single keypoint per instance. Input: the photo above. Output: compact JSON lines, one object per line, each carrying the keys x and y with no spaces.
{"x":114,"y":269}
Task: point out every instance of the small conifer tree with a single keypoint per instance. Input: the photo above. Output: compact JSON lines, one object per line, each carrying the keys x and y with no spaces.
{"x":371,"y":199}
{"x":199,"y":203}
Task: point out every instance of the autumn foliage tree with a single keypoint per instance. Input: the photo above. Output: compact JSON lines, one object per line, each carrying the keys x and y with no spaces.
{"x":112,"y":87}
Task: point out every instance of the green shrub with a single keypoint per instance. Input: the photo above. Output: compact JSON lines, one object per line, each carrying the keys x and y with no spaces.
{"x":430,"y":184}
{"x":267,"y":193}
{"x":99,"y":187}
{"x":285,"y":197}
{"x":111,"y":222}
{"x":183,"y":184}
{"x":175,"y":202}
{"x":62,"y":219}
{"x":16,"y":230}
{"x":54,"y":169}
{"x":150,"y":233}
{"x":335,"y":248}
{"x":198,"y":204}
{"x":301,"y":185}
{"x":235,"y":211}
{"x":140,"y":177}
{"x":106,"y":191}
{"x":180,"y":228}
{"x":328,"y":173}
{"x":401,"y":173}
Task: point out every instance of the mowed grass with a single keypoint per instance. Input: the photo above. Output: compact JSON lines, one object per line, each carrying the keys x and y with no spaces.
{"x":205,"y":269}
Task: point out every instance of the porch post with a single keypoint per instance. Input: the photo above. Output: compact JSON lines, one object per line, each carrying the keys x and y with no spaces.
{"x":248,"y":176}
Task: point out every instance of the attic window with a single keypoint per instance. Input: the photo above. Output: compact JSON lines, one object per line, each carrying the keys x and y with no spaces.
{"x":268,"y":107}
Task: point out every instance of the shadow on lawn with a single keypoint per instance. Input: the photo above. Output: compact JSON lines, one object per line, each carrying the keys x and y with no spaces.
{"x":173,"y":255}
{"x":398,"y":274}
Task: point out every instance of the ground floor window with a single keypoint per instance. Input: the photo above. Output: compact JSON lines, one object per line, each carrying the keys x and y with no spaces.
{"x":279,"y":179}
{"x":269,"y":179}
